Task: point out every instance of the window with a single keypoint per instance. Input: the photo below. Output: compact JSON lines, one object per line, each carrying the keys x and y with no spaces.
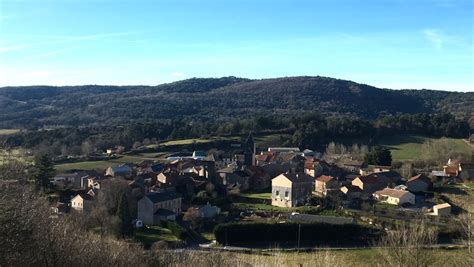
{"x":277,"y":193}
{"x":286,"y":193}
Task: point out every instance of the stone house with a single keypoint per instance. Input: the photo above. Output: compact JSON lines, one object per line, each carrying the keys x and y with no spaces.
{"x":291,"y":189}
{"x":157,"y":206}
{"x":323,"y":183}
{"x":419,"y":183}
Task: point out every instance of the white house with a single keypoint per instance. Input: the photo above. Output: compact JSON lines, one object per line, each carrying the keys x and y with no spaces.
{"x":394,"y":196}
{"x":82,"y":202}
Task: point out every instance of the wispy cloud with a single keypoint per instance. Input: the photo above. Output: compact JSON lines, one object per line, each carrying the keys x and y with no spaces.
{"x":177,"y":74}
{"x":47,"y":40}
{"x":5,"y":49}
{"x":435,"y":37}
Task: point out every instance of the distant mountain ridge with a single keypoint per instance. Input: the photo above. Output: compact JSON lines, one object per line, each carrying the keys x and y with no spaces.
{"x":218,"y":98}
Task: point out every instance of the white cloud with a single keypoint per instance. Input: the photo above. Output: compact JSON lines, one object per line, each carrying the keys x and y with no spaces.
{"x":434,"y":37}
{"x":177,"y":74}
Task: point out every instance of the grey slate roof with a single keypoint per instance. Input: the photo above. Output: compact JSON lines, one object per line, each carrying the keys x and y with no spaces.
{"x":156,"y":197}
{"x":163,"y":212}
{"x":298,"y":177}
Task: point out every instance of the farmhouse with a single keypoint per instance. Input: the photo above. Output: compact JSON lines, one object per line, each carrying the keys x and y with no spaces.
{"x":291,"y":189}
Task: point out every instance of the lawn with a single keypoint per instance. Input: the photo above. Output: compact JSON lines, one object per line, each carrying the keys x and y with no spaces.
{"x":8,"y":131}
{"x":257,"y":195}
{"x":208,"y":235}
{"x":152,"y":234}
{"x":408,"y":147}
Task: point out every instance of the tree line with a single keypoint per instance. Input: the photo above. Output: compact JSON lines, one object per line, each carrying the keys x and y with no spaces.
{"x":307,"y":131}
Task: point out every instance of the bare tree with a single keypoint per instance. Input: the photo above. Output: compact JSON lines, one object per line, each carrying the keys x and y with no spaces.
{"x":466,"y":227}
{"x":409,"y":244}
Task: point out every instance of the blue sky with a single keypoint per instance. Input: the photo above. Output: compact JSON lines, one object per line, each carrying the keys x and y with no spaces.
{"x":391,"y":44}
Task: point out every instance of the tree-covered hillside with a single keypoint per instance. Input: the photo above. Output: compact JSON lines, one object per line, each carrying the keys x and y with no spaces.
{"x":217,"y":99}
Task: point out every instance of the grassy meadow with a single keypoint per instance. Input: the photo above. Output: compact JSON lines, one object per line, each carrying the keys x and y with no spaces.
{"x":409,"y":147}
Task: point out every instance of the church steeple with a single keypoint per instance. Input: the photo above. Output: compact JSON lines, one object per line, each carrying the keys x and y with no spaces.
{"x":249,"y":150}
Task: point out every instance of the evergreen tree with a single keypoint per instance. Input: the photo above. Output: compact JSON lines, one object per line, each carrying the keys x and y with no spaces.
{"x":379,"y":156}
{"x":44,"y":171}
{"x":125,"y":220}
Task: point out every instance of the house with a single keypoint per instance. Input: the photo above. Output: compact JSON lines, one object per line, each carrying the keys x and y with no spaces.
{"x":419,"y":183}
{"x":374,"y":169}
{"x":452,"y":168}
{"x":451,"y":171}
{"x":315,"y":167}
{"x":371,"y":183}
{"x":263,"y":158}
{"x":351,"y":165}
{"x":258,"y":178}
{"x":83,"y":202}
{"x":291,"y":189}
{"x":323,"y":183}
{"x":157,"y":206}
{"x":119,"y":171}
{"x":441,"y":209}
{"x":351,"y":191}
{"x":209,"y":211}
{"x":394,"y":196}
{"x":199,"y":154}
{"x":232,"y":176}
{"x":471,"y":139}
{"x":77,"y":180}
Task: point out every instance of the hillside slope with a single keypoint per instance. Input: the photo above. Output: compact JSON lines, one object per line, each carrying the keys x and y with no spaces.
{"x":217,"y":98}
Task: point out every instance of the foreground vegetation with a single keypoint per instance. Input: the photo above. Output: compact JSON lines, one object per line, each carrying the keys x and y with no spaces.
{"x":30,"y":236}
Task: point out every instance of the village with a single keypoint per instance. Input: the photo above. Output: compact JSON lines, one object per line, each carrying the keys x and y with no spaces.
{"x":195,"y":192}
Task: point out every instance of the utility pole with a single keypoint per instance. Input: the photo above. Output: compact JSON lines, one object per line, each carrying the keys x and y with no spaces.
{"x":299,"y":236}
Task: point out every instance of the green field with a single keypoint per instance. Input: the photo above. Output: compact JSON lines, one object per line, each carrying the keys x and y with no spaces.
{"x":270,"y":140}
{"x":408,"y":147}
{"x":8,"y":131}
{"x":104,"y":164}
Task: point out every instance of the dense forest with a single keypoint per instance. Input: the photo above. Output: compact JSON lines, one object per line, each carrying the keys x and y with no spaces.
{"x":218,"y":99}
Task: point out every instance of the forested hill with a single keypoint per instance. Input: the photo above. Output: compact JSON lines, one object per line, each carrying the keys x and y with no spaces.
{"x":221,"y":98}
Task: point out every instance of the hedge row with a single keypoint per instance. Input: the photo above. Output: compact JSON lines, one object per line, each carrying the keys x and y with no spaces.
{"x":286,"y":234}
